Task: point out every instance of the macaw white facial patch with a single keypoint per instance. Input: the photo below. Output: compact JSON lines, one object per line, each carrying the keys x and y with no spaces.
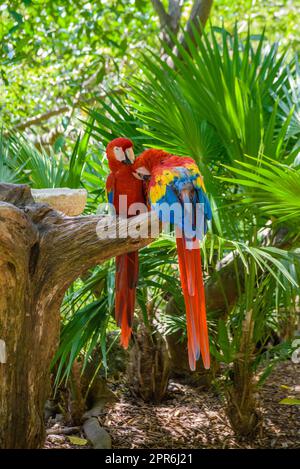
{"x":119,"y":154}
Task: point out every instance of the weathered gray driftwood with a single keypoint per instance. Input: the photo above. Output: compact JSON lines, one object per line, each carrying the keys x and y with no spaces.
{"x":41,"y":253}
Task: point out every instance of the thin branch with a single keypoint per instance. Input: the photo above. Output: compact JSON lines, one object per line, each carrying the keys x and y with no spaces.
{"x":41,"y":118}
{"x":175,"y":10}
{"x":200,"y":12}
{"x":169,"y":21}
{"x":164,"y":17}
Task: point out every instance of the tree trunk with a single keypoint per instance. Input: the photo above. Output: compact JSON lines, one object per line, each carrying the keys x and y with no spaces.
{"x":170,"y":20}
{"x":241,"y":401}
{"x":149,"y":365}
{"x":41,"y":254}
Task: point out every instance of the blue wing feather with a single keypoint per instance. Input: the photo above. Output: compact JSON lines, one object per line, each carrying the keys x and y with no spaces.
{"x":110,"y":186}
{"x":182,"y":177}
{"x":110,"y":196}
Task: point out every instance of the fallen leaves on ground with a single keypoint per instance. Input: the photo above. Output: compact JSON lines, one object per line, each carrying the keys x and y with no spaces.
{"x":193,"y":418}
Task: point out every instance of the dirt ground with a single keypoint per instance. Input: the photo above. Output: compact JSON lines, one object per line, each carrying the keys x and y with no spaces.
{"x":191,"y":418}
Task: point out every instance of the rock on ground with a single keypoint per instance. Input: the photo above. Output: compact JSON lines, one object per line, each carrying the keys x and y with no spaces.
{"x":99,"y":437}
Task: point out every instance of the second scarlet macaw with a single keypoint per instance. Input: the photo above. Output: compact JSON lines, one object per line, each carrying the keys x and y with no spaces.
{"x":121,"y":182}
{"x":177,"y":180}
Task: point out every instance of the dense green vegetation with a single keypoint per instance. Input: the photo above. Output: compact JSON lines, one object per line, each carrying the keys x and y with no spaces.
{"x":230,"y":99}
{"x":54,"y":53}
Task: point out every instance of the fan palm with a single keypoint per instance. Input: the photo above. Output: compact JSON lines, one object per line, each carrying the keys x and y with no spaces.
{"x":46,"y":169}
{"x":10,"y":170}
{"x":219,"y":103}
{"x":273,"y":187}
{"x":88,"y":309}
{"x":224,"y":83}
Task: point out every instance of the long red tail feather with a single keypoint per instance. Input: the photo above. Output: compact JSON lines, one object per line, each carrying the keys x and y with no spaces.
{"x":194,"y":297}
{"x":193,"y":347}
{"x":126,"y":280}
{"x":200,"y":293}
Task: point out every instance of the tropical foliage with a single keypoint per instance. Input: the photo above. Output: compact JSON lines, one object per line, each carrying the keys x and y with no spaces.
{"x":219,"y":101}
{"x":229,"y":98}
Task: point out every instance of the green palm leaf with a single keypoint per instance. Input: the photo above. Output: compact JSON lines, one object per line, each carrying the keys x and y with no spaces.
{"x":270,"y":185}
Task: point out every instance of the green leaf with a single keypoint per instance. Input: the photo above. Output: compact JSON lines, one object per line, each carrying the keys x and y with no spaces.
{"x":75,"y":440}
{"x":290,"y":401}
{"x":16,"y":16}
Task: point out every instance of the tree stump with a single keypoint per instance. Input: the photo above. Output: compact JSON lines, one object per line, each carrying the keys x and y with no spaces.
{"x":41,"y":253}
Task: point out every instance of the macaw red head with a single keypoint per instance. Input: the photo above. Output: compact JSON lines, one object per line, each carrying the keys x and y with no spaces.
{"x":147,"y":161}
{"x":119,"y":152}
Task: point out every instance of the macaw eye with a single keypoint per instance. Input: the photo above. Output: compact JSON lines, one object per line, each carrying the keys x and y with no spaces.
{"x":130,"y":154}
{"x":119,"y":154}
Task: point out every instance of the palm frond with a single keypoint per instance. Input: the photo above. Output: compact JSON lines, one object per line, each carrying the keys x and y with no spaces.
{"x":273,"y":187}
{"x":215,"y":104}
{"x":111,"y":118}
{"x":10,"y":170}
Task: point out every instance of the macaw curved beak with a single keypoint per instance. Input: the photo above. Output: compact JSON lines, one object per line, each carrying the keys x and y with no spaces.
{"x":127,"y":160}
{"x":129,"y":156}
{"x":142,"y":173}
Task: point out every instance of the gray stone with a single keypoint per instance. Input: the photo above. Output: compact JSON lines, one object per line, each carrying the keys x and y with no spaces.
{"x":71,"y":202}
{"x":96,"y":410}
{"x":99,"y":437}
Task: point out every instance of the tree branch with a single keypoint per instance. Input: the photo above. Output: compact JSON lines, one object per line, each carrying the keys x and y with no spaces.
{"x":66,"y":247}
{"x":174,"y":10}
{"x":15,"y":194}
{"x":169,"y":21}
{"x":40,"y":118}
{"x":44,"y":117}
{"x":83,"y":242}
{"x":200,"y":12}
{"x":164,"y":17}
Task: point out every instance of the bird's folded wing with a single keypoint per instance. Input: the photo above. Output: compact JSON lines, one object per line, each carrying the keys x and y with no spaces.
{"x":166,"y":185}
{"x":110,"y":188}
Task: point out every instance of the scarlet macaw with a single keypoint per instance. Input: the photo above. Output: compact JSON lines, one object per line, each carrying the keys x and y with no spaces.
{"x":121,"y":182}
{"x":173,"y":179}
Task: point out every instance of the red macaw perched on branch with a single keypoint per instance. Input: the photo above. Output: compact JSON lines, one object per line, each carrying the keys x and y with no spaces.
{"x":121,"y":182}
{"x":174,"y":181}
